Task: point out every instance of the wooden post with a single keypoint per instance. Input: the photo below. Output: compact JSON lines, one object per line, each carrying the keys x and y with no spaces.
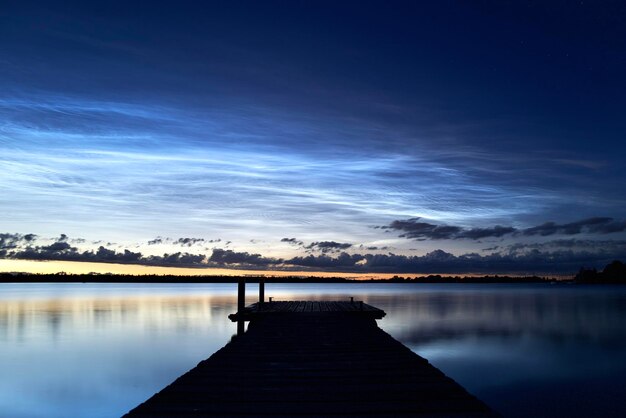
{"x":241,"y":304}
{"x":241,"y":295}
{"x":261,"y":291}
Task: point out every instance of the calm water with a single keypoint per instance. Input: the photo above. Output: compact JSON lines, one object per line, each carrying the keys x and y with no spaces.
{"x":96,"y":350}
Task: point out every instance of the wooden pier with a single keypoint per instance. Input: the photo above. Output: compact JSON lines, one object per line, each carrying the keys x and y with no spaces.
{"x":273,"y":309}
{"x":313,"y":359}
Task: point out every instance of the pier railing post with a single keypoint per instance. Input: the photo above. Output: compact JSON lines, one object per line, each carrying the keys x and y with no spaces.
{"x":241,"y":304}
{"x":261,"y":291}
{"x":241,"y":295}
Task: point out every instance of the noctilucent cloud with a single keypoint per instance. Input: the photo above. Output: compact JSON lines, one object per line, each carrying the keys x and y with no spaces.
{"x":360,"y":136}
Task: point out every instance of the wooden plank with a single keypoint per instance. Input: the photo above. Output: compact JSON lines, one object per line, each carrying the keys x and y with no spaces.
{"x":288,"y":307}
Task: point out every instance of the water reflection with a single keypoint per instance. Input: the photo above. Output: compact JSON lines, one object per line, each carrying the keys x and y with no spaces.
{"x":18,"y":319}
{"x":559,"y":315}
{"x":98,"y":350}
{"x":527,"y":351}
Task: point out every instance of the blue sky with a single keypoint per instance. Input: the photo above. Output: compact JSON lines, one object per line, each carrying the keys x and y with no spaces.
{"x":370,"y":124}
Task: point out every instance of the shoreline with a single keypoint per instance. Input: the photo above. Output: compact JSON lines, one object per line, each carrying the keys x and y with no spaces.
{"x":128,"y":278}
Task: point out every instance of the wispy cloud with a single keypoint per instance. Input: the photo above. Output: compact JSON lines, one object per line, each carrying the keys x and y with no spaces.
{"x":136,"y":168}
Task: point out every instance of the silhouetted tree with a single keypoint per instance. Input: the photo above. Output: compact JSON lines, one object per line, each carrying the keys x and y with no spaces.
{"x":614,"y":272}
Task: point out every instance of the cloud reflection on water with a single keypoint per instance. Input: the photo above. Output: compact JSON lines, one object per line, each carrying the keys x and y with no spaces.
{"x":98,"y":350}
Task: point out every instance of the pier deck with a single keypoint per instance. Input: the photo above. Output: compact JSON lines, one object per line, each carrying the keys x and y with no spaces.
{"x":313,"y":359}
{"x":258,"y":310}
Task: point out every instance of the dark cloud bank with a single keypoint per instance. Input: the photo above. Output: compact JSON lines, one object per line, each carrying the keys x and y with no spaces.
{"x":328,"y":246}
{"x":531,"y":258}
{"x":321,"y":246}
{"x":183,"y":242}
{"x":416,"y":228}
{"x":292,"y":241}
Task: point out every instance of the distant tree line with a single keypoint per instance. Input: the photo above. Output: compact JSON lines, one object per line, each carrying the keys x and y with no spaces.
{"x":436,"y":278}
{"x":614,"y":272}
{"x":153,"y":278}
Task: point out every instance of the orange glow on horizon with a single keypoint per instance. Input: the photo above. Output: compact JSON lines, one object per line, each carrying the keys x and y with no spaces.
{"x":75,"y":267}
{"x":78,"y":267}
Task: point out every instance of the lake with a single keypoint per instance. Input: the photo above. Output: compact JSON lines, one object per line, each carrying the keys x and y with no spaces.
{"x":98,"y":350}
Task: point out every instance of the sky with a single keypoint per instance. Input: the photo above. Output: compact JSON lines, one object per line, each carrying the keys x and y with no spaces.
{"x":385,"y":137}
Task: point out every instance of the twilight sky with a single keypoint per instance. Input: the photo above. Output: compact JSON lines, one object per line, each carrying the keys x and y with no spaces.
{"x":412,"y":137}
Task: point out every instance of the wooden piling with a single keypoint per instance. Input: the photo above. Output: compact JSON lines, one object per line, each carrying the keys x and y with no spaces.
{"x":241,"y":303}
{"x":241,"y":294}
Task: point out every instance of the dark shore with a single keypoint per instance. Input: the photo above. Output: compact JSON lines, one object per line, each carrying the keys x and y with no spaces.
{"x":128,"y":278}
{"x":613,"y":273}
